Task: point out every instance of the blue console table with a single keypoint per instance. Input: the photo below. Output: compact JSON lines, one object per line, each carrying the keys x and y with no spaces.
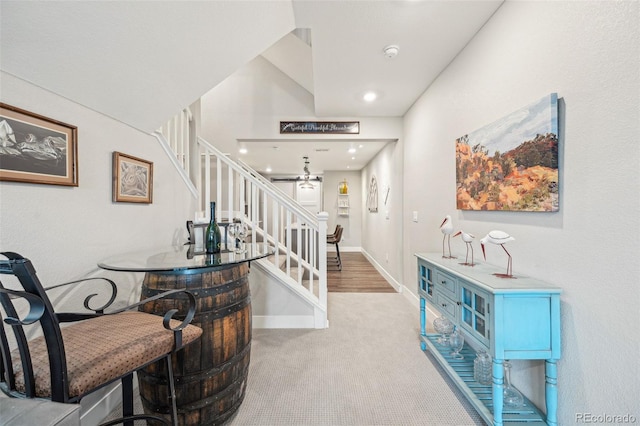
{"x":510,"y":318}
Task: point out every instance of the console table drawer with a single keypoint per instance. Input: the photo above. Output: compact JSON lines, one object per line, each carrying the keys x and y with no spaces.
{"x":445,"y":305}
{"x":446,"y":283}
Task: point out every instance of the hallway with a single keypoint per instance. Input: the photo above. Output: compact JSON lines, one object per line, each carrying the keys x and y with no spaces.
{"x":357,"y":276}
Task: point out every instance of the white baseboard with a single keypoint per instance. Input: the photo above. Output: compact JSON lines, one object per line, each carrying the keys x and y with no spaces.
{"x":395,"y":284}
{"x":283,"y":321}
{"x":344,"y":249}
{"x":412,"y":298}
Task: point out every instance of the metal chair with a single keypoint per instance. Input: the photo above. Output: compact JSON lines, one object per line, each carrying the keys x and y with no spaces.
{"x":96,"y":348}
{"x":335,"y":240}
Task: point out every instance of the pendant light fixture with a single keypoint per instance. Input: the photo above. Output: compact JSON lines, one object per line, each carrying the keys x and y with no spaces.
{"x":306,"y":184}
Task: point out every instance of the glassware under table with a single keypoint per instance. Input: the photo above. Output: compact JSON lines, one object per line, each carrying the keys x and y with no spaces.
{"x":511,"y":396}
{"x":482,"y":368}
{"x":443,"y":326}
{"x":456,"y":342}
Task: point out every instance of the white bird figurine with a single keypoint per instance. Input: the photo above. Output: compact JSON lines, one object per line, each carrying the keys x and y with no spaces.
{"x":498,"y":238}
{"x":468,"y":239}
{"x":447,"y":229}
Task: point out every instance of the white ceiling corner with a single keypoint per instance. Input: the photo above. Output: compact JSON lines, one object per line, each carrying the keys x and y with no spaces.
{"x":139,"y":62}
{"x":292,"y":56}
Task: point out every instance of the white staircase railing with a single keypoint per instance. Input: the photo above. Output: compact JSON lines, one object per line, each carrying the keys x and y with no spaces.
{"x":177,"y":138}
{"x":300,"y":258}
{"x":298,"y":235}
{"x":178,"y":132}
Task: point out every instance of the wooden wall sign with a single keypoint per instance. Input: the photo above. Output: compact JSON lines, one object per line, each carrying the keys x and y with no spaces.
{"x":338,"y":127}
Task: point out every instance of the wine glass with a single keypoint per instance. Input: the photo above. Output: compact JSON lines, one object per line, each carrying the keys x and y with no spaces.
{"x":456,"y":342}
{"x":241,"y":232}
{"x":231,"y":233}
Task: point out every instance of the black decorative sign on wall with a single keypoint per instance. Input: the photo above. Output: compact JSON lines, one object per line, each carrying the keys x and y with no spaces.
{"x":338,"y":127}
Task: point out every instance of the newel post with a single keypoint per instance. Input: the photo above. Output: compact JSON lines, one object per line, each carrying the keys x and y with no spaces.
{"x":323,"y":217}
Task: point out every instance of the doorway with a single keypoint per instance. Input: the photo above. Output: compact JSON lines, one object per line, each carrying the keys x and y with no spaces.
{"x":310,"y":198}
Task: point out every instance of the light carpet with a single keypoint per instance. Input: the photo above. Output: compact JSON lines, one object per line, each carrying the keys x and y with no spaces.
{"x":365,"y":369}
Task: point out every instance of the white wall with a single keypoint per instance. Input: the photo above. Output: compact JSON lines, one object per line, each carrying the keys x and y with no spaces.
{"x":65,"y":231}
{"x":382,"y":231}
{"x":587,"y":52}
{"x":352,"y":224}
{"x":252,"y":101}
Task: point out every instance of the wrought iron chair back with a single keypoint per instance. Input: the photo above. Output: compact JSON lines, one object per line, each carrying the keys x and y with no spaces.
{"x":140,"y":338}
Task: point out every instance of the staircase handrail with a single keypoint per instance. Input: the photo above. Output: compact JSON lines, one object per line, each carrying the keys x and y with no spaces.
{"x":183,"y":174}
{"x":269,"y":189}
{"x":263,"y":179}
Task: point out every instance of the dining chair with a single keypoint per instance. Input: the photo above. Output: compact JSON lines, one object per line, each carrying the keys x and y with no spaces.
{"x":335,"y":240}
{"x":335,"y":232}
{"x":72,"y":354}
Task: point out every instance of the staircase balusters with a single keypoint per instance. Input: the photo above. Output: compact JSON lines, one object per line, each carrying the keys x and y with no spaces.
{"x":269,"y":212}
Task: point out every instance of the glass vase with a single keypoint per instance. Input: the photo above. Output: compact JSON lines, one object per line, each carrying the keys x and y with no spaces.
{"x":482,"y":368}
{"x":512,"y":398}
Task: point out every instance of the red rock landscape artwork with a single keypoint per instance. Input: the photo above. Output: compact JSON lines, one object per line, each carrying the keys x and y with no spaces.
{"x":511,"y":164}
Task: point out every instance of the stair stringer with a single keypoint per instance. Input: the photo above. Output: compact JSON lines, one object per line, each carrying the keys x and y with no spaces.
{"x":278,"y":301}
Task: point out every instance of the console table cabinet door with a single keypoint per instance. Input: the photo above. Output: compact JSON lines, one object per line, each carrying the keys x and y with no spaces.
{"x":475,"y":314}
{"x":526,"y":326}
{"x":425,"y":286}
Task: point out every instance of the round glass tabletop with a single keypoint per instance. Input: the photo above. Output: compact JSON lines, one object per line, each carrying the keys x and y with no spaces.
{"x":182,"y":259}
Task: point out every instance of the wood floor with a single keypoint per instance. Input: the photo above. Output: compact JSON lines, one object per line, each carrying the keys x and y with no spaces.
{"x":357,"y":276}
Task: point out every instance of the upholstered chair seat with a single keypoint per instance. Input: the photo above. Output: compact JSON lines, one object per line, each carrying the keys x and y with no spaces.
{"x":101,"y":350}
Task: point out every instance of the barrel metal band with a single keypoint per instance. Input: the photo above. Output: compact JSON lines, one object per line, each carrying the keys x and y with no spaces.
{"x":205,"y":317}
{"x":220,"y":395}
{"x":198,"y":376}
{"x":194,"y":271}
{"x":203,"y":292}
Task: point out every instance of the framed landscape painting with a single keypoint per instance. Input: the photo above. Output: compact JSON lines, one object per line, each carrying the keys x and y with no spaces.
{"x":37,"y":149}
{"x":132,"y":179}
{"x":511,"y":164}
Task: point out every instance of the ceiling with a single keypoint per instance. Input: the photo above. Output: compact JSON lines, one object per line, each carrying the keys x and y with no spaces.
{"x":286,"y":156}
{"x":348,"y":38}
{"x":134,"y":60}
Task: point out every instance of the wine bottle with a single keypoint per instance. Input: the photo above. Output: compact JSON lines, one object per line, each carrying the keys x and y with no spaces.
{"x":213,"y":238}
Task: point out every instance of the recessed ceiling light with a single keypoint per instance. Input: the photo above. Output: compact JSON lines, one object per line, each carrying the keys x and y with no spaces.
{"x":243,"y":150}
{"x":360,"y":146}
{"x":352,"y":150}
{"x":353,"y":158}
{"x":268,"y":170}
{"x":370,"y":96}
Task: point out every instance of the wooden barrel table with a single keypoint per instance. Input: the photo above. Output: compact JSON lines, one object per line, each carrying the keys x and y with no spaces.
{"x":210,"y":374}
